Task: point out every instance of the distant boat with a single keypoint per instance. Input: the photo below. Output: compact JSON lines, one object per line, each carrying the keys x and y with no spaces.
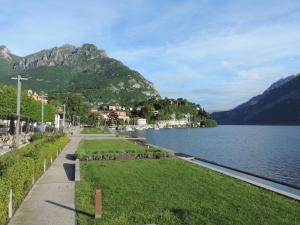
{"x":156,"y":128}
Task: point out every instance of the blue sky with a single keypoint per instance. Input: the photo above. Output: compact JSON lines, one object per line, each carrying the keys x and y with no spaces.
{"x":218,"y":53}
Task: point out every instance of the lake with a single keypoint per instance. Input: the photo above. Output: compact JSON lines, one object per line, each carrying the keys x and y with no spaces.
{"x":270,"y":151}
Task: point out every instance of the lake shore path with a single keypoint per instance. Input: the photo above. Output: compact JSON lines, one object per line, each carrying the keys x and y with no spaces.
{"x":51,"y":201}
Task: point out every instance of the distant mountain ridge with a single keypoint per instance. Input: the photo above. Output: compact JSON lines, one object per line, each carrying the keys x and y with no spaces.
{"x":86,"y":70}
{"x":280,"y":82}
{"x":277,"y":105}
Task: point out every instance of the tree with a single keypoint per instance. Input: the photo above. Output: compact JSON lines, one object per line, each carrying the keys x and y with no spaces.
{"x":29,"y":107}
{"x":95,"y":119}
{"x":113,"y":118}
{"x":163,"y":109}
{"x":75,"y":106}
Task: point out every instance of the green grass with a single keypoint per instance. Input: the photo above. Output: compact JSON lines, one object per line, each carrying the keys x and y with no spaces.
{"x":171,"y":192}
{"x":91,"y":146}
{"x":93,"y":130}
{"x":111,"y":149}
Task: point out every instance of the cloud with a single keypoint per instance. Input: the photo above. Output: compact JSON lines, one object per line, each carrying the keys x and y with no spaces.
{"x":242,"y":59}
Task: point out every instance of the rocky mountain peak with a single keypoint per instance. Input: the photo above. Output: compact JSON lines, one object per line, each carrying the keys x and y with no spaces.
{"x":68,"y":55}
{"x":86,"y":70}
{"x":5,"y":52}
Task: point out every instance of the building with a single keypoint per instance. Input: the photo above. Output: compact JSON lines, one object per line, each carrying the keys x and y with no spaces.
{"x":139,"y":121}
{"x":94,"y":110}
{"x":35,"y":96}
{"x":116,"y":107}
{"x":122,"y":116}
{"x":175,"y":122}
{"x":58,"y":119}
{"x":139,"y":108}
{"x":112,"y":107}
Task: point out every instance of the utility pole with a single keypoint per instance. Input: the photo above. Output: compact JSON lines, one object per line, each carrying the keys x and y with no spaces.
{"x":19,"y":79}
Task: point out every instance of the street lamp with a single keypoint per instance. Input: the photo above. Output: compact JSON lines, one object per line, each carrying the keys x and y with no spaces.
{"x":19,"y":79}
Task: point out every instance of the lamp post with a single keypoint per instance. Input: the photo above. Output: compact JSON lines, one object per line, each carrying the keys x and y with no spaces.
{"x":19,"y":79}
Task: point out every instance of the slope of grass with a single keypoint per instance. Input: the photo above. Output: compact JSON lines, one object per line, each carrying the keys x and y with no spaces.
{"x":172,"y":191}
{"x":94,"y":130}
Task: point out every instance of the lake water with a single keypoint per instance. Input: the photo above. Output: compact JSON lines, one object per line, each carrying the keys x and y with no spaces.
{"x":270,"y":151}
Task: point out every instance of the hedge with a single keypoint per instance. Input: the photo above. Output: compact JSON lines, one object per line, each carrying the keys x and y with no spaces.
{"x":19,"y":167}
{"x":135,"y":154}
{"x":11,"y":157}
{"x":4,"y":198}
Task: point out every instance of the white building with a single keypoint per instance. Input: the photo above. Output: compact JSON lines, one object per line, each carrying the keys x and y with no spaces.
{"x":173,"y":123}
{"x":139,"y":121}
{"x":112,"y":107}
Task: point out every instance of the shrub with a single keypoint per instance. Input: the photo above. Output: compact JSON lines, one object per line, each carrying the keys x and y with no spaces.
{"x":11,"y":157}
{"x":36,"y":136}
{"x":135,"y":154}
{"x":4,"y":198}
{"x":20,"y":178}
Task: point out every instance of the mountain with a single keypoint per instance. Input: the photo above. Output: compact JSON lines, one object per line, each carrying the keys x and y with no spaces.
{"x":280,"y":82}
{"x":278,"y":105}
{"x":85,"y":70}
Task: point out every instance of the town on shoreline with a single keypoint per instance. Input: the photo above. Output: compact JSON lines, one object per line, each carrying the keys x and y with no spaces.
{"x":40,"y":112}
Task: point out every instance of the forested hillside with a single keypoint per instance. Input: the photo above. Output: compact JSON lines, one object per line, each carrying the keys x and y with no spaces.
{"x":278,"y":105}
{"x":85,"y":70}
{"x":166,"y":109}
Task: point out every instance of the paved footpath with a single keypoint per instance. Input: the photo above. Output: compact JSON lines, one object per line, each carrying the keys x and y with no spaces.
{"x":52,"y":199}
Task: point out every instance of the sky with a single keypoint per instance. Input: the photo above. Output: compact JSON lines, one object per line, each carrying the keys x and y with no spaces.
{"x":218,"y":53}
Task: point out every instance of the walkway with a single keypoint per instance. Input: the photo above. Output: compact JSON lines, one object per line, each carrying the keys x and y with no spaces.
{"x":52,"y":199}
{"x":4,"y":150}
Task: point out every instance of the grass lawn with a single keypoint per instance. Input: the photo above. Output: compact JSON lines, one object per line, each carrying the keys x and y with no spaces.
{"x":99,"y":149}
{"x":172,"y":191}
{"x":91,"y":146}
{"x":94,"y":130}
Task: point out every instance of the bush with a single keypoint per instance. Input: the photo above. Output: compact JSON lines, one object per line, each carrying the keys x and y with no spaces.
{"x":20,"y":166}
{"x":132,"y":154}
{"x":4,"y":198}
{"x":20,"y":177}
{"x":37,"y":136}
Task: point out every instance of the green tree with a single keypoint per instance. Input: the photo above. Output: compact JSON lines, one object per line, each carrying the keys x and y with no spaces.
{"x":95,"y":119}
{"x":29,"y":107}
{"x":75,"y":106}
